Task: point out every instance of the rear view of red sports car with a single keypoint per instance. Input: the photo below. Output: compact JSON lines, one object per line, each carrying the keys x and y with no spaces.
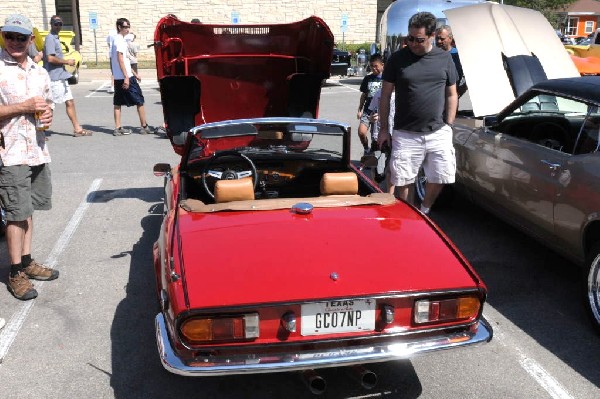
{"x":256,"y":264}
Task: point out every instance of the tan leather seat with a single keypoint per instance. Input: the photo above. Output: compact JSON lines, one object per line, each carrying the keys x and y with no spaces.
{"x":343,"y":183}
{"x":234,"y":190}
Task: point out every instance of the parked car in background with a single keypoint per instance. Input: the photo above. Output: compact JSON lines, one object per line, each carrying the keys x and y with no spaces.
{"x":66,"y":39}
{"x":586,"y":54}
{"x":529,"y":150}
{"x":584,"y":40}
{"x":340,"y":62}
{"x":252,"y":265}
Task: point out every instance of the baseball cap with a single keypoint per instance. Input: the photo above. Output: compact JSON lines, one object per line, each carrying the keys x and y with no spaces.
{"x":18,"y":23}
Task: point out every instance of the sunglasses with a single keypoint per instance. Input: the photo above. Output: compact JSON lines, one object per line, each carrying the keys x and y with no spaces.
{"x":57,"y":23}
{"x":419,"y":40}
{"x":14,"y":37}
{"x":125,"y":26}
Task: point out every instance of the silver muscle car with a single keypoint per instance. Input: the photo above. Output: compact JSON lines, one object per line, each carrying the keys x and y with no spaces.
{"x":528,"y":151}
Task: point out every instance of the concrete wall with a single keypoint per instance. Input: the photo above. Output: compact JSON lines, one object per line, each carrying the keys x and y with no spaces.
{"x":144,"y":14}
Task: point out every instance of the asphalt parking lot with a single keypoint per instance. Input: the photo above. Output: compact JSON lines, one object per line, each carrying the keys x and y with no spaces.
{"x":91,"y":332}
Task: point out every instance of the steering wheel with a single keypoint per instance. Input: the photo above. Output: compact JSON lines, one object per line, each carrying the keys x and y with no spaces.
{"x":228,"y":174}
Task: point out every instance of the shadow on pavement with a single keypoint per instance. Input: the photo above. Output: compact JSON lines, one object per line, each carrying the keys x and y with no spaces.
{"x":533,"y":287}
{"x":147,"y":194}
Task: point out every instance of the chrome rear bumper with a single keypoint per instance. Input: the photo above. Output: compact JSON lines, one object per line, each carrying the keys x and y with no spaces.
{"x":271,"y":363}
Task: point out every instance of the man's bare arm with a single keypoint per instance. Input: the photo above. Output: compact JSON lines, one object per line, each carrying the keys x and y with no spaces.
{"x":60,"y":61}
{"x":451,"y":103}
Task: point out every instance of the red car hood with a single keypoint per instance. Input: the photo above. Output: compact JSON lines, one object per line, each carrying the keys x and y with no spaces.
{"x":234,"y":258}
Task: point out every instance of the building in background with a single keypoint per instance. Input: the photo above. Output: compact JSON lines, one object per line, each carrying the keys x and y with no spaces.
{"x":356,"y":22}
{"x":581,"y":18}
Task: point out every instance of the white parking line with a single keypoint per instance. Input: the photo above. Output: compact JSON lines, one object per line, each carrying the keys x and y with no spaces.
{"x":533,"y":368}
{"x":349,"y":87}
{"x":543,"y":378}
{"x":100,"y":90}
{"x":103,"y":85}
{"x":323,"y":92}
{"x":12,"y":328}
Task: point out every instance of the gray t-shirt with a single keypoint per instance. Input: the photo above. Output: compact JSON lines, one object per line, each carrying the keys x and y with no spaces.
{"x":32,"y":51}
{"x":53,"y":47}
{"x":420,"y":83}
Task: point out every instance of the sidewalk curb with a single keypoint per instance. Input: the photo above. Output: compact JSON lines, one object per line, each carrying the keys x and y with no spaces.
{"x":90,"y":74}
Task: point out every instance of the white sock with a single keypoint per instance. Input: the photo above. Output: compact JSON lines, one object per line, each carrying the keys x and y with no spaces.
{"x":425,"y":210}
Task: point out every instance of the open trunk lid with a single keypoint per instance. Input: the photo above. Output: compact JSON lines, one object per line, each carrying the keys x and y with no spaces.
{"x":210,"y":73}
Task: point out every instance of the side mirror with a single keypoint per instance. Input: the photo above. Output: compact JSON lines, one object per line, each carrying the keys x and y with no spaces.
{"x":161,"y":169}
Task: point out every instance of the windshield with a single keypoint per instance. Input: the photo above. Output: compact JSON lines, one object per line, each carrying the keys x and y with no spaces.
{"x":544,"y":104}
{"x":293,"y":138}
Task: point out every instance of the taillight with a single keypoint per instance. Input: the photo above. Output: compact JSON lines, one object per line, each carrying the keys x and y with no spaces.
{"x":219,"y":328}
{"x":462,"y":308}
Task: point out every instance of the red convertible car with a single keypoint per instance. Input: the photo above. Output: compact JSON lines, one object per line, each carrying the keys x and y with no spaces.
{"x":254,"y":262}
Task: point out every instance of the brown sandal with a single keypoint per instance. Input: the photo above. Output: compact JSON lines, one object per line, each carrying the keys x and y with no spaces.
{"x":82,"y":133}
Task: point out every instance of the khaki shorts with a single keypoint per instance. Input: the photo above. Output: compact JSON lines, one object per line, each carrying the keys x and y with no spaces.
{"x":433,"y":151}
{"x":23,"y":189}
{"x":61,"y":91}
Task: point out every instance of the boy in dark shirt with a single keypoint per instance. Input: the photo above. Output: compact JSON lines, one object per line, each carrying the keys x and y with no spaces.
{"x":370,"y":85}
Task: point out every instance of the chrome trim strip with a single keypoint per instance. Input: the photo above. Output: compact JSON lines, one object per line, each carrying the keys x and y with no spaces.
{"x":251,"y":364}
{"x":269,"y":120}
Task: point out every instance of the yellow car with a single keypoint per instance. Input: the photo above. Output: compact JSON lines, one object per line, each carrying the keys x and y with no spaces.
{"x":66,"y":39}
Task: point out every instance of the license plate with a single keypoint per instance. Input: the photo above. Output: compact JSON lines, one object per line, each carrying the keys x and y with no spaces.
{"x":352,"y":315}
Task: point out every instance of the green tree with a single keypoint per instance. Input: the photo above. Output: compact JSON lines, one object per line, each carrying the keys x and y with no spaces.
{"x":549,"y":8}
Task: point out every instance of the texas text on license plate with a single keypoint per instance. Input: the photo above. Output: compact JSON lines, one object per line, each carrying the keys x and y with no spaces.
{"x":352,"y":315}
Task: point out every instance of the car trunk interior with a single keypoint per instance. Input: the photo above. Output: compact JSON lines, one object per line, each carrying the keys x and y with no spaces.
{"x":210,"y":73}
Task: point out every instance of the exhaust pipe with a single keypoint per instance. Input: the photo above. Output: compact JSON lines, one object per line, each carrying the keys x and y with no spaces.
{"x":366,"y":378}
{"x":315,"y":383}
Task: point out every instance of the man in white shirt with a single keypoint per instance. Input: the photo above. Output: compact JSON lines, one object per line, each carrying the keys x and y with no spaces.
{"x":127,"y":90}
{"x":109,"y":41}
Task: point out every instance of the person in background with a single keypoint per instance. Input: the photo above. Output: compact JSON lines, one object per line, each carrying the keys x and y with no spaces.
{"x":54,"y":62}
{"x":369,"y":86}
{"x":132,"y":52}
{"x":445,"y":40}
{"x":382,"y":171}
{"x":34,"y":54}
{"x":25,"y":183}
{"x":127,"y":91}
{"x":109,"y":41}
{"x":424,"y":78}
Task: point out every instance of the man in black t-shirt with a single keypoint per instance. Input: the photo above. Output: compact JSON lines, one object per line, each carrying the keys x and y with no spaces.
{"x":424,"y":78}
{"x":369,"y":86}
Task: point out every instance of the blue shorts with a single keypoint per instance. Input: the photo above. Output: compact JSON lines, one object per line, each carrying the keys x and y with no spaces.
{"x":128,"y":97}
